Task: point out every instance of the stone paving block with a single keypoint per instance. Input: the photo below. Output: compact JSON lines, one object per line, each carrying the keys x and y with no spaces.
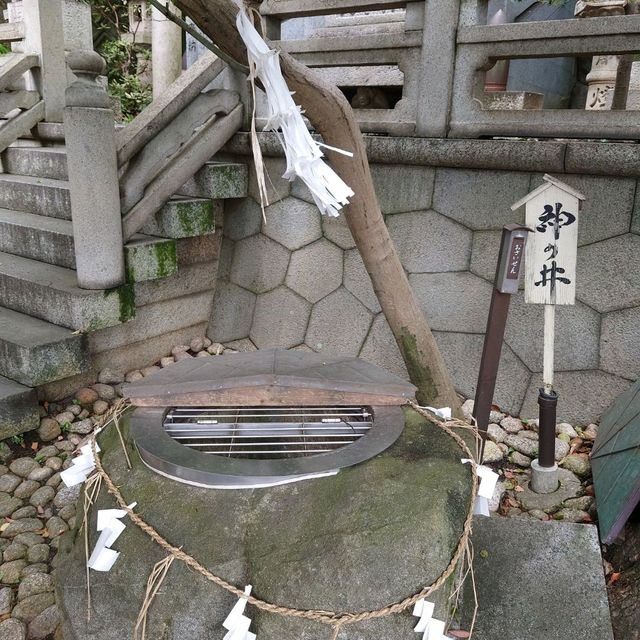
{"x":315,"y":270}
{"x":18,"y":408}
{"x":577,"y":334}
{"x":480,"y":199}
{"x":528,"y":574}
{"x":336,"y":230}
{"x":232,"y":313}
{"x":242,"y":218}
{"x":606,"y":212}
{"x":428,"y":242}
{"x":259,"y":264}
{"x":583,"y":395}
{"x":484,"y":254}
{"x":299,"y":190}
{"x":293,"y":223}
{"x":358,"y":282}
{"x":339,"y":324}
{"x":150,"y":258}
{"x":198,"y":249}
{"x":620,"y":343}
{"x":277,"y":187}
{"x":403,"y":187}
{"x":280,"y":319}
{"x":380,"y":348}
{"x":462,"y":352}
{"x":608,"y":273}
{"x":456,"y":301}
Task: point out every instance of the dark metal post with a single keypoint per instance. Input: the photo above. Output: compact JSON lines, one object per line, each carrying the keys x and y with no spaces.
{"x":548,"y":402}
{"x":506,"y":283}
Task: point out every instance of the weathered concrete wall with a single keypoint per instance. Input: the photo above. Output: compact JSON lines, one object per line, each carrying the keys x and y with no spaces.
{"x":296,"y":280}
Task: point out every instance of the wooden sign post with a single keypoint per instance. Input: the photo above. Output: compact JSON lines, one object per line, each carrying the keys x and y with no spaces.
{"x":552,"y":212}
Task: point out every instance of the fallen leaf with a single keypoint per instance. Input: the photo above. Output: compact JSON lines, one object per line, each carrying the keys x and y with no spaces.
{"x":34,"y":446}
{"x":518,"y":488}
{"x":614,"y":577}
{"x":513,"y":502}
{"x":458,"y":633}
{"x":509,"y":474}
{"x":484,"y":553}
{"x":4,"y":526}
{"x":587,"y":519}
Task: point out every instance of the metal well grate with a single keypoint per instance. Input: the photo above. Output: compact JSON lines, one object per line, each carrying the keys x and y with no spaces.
{"x":267,"y":432}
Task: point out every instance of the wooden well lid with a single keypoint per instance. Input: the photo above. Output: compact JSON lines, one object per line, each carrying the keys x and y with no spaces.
{"x":270,"y":377}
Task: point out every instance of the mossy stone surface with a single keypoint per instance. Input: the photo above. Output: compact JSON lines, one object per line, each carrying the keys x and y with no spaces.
{"x":184,"y":218}
{"x":375,"y":533}
{"x":150,"y":259}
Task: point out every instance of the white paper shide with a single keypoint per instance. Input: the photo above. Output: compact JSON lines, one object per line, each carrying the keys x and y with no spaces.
{"x":304,"y":157}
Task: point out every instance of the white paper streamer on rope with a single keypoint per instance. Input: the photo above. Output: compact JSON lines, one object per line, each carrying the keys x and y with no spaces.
{"x":81,"y":467}
{"x":304,"y":157}
{"x":430,"y":627}
{"x":488,"y":480}
{"x":236,"y":622}
{"x":103,"y":557}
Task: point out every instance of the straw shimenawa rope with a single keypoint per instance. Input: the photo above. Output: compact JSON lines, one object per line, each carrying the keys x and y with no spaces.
{"x":336,"y":619}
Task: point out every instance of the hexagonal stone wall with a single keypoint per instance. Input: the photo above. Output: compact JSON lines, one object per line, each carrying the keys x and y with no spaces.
{"x":456,"y":301}
{"x":427,"y":242}
{"x":480,"y":199}
{"x":462,"y":353}
{"x":259,"y":264}
{"x":358,"y":282}
{"x":232,"y":313}
{"x":402,"y":188}
{"x":583,"y":396}
{"x":277,"y":187}
{"x":577,"y":334}
{"x":242,"y":218}
{"x":339,"y":324}
{"x":620,"y":343}
{"x":280,"y":319}
{"x":380,"y":348}
{"x":293,"y":223}
{"x":315,"y":270}
{"x":314,"y":292}
{"x":608,"y":273}
{"x":606,"y":210}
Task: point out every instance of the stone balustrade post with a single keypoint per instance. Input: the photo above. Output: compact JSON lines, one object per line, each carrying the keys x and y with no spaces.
{"x":438,"y":61}
{"x":166,"y":51}
{"x":44,"y":35}
{"x":93,"y":176}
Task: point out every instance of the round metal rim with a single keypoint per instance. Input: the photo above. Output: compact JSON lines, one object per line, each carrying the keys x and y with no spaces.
{"x":163,"y":454}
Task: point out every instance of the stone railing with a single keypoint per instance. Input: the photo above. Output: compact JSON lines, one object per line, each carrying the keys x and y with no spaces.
{"x":437,"y":53}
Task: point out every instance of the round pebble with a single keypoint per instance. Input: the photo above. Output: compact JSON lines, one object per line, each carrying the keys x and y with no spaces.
{"x":56,"y":526}
{"x":11,"y":571}
{"x":110,"y":376}
{"x":35,"y":584}
{"x":133,"y":376}
{"x":167,"y":361}
{"x":86,"y":396}
{"x":203,"y":354}
{"x":29,"y":608}
{"x":74,"y":409}
{"x":23,"y":466}
{"x":45,"y":623}
{"x":6,"y":600}
{"x":38,"y":567}
{"x":43,"y":496}
{"x":26,"y":489}
{"x":83,"y":427}
{"x":65,"y":416}
{"x":215,"y":349}
{"x":8,"y":504}
{"x":12,"y":629}
{"x":24,"y":512}
{"x":181,"y":348}
{"x":147,"y":371}
{"x":15,"y":551}
{"x":29,"y":538}
{"x":41,"y":474}
{"x":38,"y":553}
{"x":9,"y":483}
{"x":67,"y":512}
{"x":104,"y":391}
{"x":55,"y":479}
{"x":54,"y":463}
{"x":48,"y":452}
{"x":49,"y":429}
{"x":197,"y":345}
{"x":183,"y":355}
{"x":100,"y":407}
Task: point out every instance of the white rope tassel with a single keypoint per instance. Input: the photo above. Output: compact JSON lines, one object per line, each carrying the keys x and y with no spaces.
{"x":304,"y":157}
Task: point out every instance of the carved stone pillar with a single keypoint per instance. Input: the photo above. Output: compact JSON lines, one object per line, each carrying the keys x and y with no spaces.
{"x":601,"y":79}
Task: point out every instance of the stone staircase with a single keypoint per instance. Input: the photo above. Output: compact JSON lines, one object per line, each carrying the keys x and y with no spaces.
{"x":45,"y":318}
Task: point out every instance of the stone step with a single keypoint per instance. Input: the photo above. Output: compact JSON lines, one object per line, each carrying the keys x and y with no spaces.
{"x":218,"y":181}
{"x":18,"y":408}
{"x":50,"y":240}
{"x":40,"y":162}
{"x":34,"y":352}
{"x":185,"y":217}
{"x":44,"y":196}
{"x":51,"y":292}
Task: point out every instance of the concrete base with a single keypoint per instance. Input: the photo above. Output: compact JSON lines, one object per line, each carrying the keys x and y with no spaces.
{"x":543,"y":479}
{"x":569,"y":487}
{"x":528,"y":572}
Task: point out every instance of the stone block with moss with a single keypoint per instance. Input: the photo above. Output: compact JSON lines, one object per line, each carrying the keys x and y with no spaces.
{"x":373,"y":534}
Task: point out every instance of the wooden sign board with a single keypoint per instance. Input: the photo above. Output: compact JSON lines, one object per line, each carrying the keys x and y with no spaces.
{"x":552,"y":212}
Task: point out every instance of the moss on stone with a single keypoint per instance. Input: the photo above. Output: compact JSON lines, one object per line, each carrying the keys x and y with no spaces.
{"x":127,"y":297}
{"x":419,"y":374}
{"x":151,"y":260}
{"x":195,"y":218}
